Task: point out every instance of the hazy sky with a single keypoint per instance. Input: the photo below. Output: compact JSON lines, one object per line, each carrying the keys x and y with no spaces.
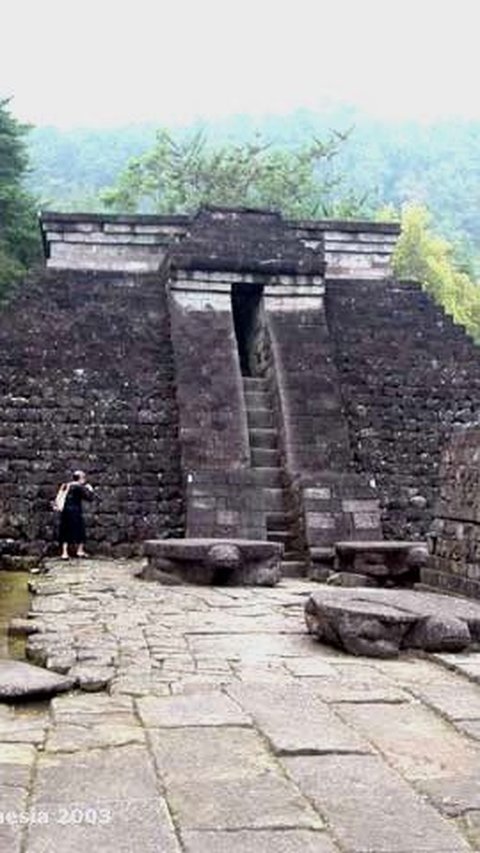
{"x":99,"y":62}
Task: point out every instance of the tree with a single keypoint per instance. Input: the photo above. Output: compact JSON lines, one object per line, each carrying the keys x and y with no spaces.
{"x":19,"y":239}
{"x":422,"y":255}
{"x":179,"y":175}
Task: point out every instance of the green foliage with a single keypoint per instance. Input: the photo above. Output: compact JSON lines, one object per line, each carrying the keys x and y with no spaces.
{"x":179,"y":175}
{"x":404,"y":162}
{"x":19,"y":240}
{"x":425,"y":257}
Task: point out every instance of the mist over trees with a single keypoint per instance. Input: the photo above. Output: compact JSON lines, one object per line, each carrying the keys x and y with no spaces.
{"x":181,"y":175}
{"x":337,"y":163}
{"x":435,"y":165}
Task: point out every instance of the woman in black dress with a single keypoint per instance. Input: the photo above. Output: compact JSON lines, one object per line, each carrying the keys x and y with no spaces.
{"x":72,"y":525}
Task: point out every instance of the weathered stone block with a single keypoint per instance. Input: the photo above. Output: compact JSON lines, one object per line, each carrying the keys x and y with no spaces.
{"x":379,"y":623}
{"x":214,"y":561}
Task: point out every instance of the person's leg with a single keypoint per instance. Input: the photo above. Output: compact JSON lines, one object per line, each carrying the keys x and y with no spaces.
{"x":64,"y":550}
{"x":81,"y":550}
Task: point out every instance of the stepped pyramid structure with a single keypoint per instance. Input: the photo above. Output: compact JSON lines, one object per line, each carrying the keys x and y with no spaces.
{"x":228,"y":374}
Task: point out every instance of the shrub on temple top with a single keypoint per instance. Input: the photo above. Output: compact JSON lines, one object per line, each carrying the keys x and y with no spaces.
{"x":180,"y":175}
{"x":423,"y":256}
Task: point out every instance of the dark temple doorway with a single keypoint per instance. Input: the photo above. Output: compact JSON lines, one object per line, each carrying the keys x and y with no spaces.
{"x":246,"y":300}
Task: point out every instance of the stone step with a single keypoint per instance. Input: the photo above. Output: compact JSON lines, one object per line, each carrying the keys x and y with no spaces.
{"x":265,"y":458}
{"x":254,"y":383}
{"x":277,"y":520}
{"x":282,"y":536}
{"x":257,"y":400}
{"x":267,"y":438}
{"x":260,"y":418}
{"x":292,"y":556}
{"x":273,"y":498}
{"x":267,"y":477}
{"x":293,"y":568}
{"x":322,"y":555}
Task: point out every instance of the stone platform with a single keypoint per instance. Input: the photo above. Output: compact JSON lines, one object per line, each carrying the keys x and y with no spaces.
{"x":214,"y":562}
{"x":379,"y":623}
{"x":225,"y":729}
{"x":380,"y":561}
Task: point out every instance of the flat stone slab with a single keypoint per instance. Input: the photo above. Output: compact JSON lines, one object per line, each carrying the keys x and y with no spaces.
{"x":225,"y":778}
{"x":214,"y":562}
{"x":253,"y":841}
{"x":380,"y":559}
{"x":23,"y":681}
{"x":117,"y":789}
{"x":278,"y":710}
{"x":367,"y":804}
{"x":378,"y":623}
{"x":203,"y":709}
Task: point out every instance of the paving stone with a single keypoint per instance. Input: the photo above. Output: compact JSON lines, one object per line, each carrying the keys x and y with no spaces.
{"x":469,"y":727}
{"x":117,"y":787}
{"x":411,"y":670}
{"x":414,"y":740}
{"x":197,"y":684}
{"x":16,"y":762}
{"x":455,"y":796}
{"x":21,"y":731}
{"x":369,"y":808}
{"x":199,"y":709}
{"x":85,"y":708}
{"x":470,"y":824}
{"x":310,"y":666}
{"x":92,"y":678}
{"x":72,"y":738}
{"x":253,"y":841}
{"x":456,"y":701}
{"x":250,"y":647}
{"x":338,"y":690}
{"x":468,"y":664}
{"x":224,"y":778}
{"x":13,"y":803}
{"x":295,"y":721}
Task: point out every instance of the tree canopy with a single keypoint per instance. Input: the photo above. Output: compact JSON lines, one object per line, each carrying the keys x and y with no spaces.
{"x":18,"y":230}
{"x":178,"y":175}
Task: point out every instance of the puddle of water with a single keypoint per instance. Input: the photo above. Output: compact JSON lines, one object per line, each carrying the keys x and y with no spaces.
{"x":14,"y":601}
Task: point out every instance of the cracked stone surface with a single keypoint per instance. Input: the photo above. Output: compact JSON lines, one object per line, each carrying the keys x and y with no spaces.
{"x":204,"y":720}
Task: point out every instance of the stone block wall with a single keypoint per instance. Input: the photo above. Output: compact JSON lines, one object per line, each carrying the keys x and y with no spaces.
{"x":328,"y":501}
{"x":226,"y":504}
{"x":213,"y":423}
{"x":108,"y":241}
{"x":351,"y":249}
{"x":408,"y":375}
{"x":316,"y":435}
{"x":87,"y":381}
{"x":96,"y":241}
{"x":455,"y":544}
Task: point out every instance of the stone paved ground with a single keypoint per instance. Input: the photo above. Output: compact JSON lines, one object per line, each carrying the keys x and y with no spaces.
{"x":226,"y":729}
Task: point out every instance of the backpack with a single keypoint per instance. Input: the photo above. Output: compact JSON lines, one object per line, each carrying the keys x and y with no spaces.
{"x":60,"y":498}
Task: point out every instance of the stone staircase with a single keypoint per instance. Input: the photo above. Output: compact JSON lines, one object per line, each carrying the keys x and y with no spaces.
{"x":266,"y":463}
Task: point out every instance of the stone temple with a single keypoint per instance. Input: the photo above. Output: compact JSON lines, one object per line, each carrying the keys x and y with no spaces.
{"x":230,"y":375}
